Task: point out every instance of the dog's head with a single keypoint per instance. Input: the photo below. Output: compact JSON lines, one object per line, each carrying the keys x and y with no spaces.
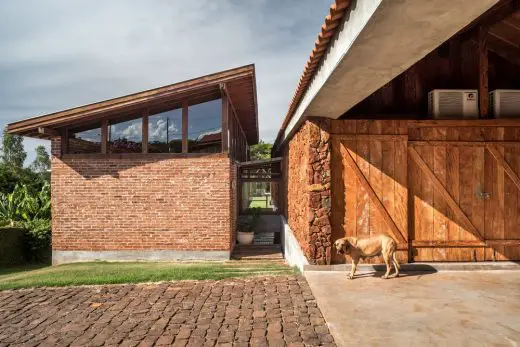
{"x":342,"y":245}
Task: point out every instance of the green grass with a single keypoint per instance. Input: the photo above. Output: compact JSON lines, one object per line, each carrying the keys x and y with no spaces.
{"x":258,"y":201}
{"x":135,"y":272}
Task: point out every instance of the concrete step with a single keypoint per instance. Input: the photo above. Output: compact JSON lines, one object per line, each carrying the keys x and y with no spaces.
{"x":423,"y":267}
{"x":265,"y":238}
{"x":258,"y":252}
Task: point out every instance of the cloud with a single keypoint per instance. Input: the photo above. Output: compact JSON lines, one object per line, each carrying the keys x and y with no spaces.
{"x":59,"y":54}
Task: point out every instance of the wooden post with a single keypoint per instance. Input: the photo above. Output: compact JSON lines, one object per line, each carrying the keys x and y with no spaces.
{"x":145,"y":132}
{"x":65,"y":142}
{"x":185,"y":126}
{"x":225,"y":123}
{"x":104,"y":136}
{"x":483,"y":88}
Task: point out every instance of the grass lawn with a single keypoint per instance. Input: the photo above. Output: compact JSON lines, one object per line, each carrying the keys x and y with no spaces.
{"x":260,"y":201}
{"x":135,"y":272}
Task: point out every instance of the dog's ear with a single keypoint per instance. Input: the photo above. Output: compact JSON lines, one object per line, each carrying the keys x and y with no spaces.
{"x":346,"y":244}
{"x":351,"y":240}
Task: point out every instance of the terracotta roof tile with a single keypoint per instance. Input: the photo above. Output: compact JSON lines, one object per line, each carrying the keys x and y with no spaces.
{"x":328,"y":30}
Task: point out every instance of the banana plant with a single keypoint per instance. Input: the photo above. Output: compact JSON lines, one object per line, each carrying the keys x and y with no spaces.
{"x":21,"y":206}
{"x":10,"y":207}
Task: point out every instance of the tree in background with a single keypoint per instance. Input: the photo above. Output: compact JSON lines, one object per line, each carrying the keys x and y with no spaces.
{"x":13,"y":153}
{"x":261,"y":150}
{"x":12,"y":172}
{"x":42,"y":163}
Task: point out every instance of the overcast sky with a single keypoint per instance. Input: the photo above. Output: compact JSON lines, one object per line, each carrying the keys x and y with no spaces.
{"x":57,"y":54}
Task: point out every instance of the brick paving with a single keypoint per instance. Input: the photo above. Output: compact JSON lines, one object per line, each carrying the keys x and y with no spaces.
{"x":258,"y":311}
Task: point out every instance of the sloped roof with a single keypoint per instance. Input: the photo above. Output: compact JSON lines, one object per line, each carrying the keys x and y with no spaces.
{"x":239,"y":82}
{"x":332,"y":21}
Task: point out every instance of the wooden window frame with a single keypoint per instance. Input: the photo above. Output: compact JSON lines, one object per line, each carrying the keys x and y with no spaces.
{"x":227,"y":112}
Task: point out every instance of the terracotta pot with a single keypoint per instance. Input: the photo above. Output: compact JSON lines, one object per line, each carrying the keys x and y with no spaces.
{"x":245,"y":238}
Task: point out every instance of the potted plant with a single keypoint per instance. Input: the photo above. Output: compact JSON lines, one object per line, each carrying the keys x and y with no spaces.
{"x":246,"y":226}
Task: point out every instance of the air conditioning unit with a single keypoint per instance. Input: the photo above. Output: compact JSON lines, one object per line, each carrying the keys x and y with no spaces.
{"x":504,"y":103}
{"x":453,"y":103}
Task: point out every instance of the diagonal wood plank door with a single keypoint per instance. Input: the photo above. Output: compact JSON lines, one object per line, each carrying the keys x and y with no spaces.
{"x":464,"y":197}
{"x":369,"y":183}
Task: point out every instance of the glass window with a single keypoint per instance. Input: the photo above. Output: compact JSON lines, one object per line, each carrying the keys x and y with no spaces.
{"x":125,"y":136}
{"x":85,"y":140}
{"x":165,"y":132}
{"x":258,"y":194}
{"x":205,"y":127}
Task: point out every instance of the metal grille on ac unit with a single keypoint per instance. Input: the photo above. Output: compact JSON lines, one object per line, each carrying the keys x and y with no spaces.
{"x":504,"y":103}
{"x":453,"y":103}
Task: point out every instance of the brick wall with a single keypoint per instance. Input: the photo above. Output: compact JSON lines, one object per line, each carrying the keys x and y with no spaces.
{"x":305,"y":189}
{"x":141,"y":202}
{"x":234,"y":203}
{"x":56,"y":147}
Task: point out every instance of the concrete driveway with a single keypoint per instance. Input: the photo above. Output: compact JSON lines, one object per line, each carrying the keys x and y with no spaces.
{"x":437,"y":309}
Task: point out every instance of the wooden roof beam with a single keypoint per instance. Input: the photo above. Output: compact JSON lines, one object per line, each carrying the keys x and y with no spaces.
{"x":497,"y":13}
{"x":504,"y":49}
{"x":225,"y":91}
{"x":48,"y":132}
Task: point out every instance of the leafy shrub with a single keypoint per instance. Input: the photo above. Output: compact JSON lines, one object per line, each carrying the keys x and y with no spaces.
{"x":244,"y":223}
{"x":37,"y":239}
{"x":32,"y":212}
{"x":22,"y":206}
{"x":12,"y":176}
{"x":10,"y":208}
{"x":247,"y":223}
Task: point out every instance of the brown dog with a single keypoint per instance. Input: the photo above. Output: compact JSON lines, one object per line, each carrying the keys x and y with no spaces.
{"x":367,"y":248}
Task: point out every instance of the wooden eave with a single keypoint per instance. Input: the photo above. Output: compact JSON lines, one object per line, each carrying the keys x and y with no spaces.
{"x":240,"y":82}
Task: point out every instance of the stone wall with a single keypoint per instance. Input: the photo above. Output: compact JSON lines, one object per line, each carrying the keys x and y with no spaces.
{"x":319,"y":191}
{"x":305,"y":189}
{"x":296,"y":179}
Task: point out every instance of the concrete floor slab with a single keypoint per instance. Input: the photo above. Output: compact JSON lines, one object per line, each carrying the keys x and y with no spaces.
{"x":420,"y":309}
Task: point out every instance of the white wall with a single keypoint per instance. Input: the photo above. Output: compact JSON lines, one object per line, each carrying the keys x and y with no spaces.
{"x":292,"y":251}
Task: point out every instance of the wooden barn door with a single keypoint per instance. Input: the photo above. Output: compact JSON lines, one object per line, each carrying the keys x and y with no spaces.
{"x":369,"y":183}
{"x":464,"y":193}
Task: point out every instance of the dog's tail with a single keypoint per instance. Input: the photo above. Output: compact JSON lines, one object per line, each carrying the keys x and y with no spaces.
{"x":395,"y":261}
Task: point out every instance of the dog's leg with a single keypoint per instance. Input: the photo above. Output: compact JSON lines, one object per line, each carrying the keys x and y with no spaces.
{"x":386,"y":257}
{"x":396,"y":264}
{"x":354,"y":266}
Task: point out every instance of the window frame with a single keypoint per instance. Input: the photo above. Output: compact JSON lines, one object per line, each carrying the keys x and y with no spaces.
{"x":230,"y":127}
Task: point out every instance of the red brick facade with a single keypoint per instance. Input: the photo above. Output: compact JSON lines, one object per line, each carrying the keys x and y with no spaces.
{"x":141,"y":202}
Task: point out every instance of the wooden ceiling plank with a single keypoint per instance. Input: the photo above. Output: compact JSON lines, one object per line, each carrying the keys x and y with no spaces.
{"x":504,"y":49}
{"x":512,"y":23}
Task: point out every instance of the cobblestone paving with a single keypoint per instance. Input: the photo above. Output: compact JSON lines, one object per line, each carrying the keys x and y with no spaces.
{"x":267,"y":311}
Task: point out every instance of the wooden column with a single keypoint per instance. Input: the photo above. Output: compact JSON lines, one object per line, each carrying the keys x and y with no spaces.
{"x":483,"y":88}
{"x":145,"y":132}
{"x":185,"y":126}
{"x":225,"y":123}
{"x":104,"y":136}
{"x":65,"y":141}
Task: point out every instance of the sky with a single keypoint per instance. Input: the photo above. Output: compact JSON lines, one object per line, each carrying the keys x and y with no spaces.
{"x":58,"y":54}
